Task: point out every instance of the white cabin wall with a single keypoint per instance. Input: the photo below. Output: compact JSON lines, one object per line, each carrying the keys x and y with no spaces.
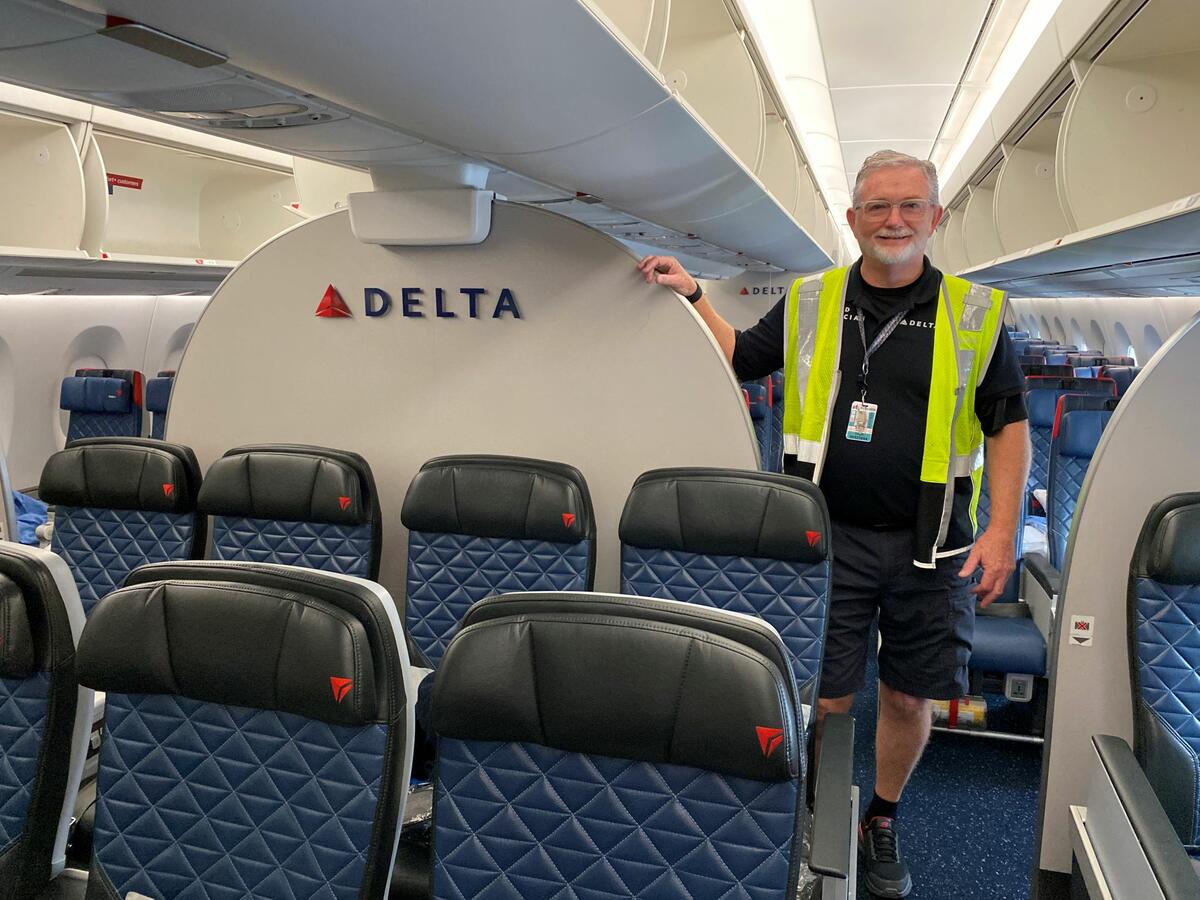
{"x":44,"y":338}
{"x":1106,"y":324}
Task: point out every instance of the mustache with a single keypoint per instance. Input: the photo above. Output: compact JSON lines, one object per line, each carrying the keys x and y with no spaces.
{"x":895,"y":232}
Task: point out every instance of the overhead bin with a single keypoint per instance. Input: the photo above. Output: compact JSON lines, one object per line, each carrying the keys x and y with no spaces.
{"x":954,"y":251}
{"x":1130,"y":130}
{"x":643,"y":23}
{"x":780,"y":170}
{"x":1027,"y":206}
{"x":44,"y":188}
{"x":171,"y":204}
{"x":979,"y":239}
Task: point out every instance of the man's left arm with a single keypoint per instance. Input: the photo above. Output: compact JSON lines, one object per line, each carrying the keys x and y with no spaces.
{"x":1007,"y":470}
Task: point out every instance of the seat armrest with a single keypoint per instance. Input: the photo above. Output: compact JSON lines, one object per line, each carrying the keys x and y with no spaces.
{"x":1158,"y":839}
{"x":833,"y":803}
{"x":1039,"y":568}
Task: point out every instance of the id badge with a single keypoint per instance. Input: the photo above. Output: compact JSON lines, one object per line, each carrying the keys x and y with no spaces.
{"x":862,"y":421}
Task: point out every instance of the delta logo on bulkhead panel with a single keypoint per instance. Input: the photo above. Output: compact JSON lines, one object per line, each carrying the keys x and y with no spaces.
{"x":423,"y":303}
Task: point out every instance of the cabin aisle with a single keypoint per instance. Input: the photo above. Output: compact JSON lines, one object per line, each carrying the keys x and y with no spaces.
{"x":969,"y":812}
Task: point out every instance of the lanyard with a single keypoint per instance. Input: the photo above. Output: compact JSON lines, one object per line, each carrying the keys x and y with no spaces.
{"x":884,"y":333}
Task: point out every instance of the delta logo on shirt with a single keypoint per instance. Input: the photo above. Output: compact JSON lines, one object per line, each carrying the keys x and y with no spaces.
{"x":423,"y":303}
{"x":763,"y":291}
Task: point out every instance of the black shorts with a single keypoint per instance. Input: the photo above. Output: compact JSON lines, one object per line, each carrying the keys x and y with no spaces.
{"x":926,"y":617}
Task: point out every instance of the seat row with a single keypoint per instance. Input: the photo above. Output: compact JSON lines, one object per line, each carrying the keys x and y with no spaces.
{"x":109,"y":402}
{"x":764,"y":400}
{"x":478,"y":526}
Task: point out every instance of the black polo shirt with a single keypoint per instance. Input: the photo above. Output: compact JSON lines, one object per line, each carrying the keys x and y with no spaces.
{"x":875,"y":484}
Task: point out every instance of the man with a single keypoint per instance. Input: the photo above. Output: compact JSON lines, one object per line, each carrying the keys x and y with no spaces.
{"x":895,"y":376}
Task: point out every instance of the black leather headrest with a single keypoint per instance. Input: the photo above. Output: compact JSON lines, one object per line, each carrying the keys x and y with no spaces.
{"x":292,"y":483}
{"x":17,"y":658}
{"x":1169,"y":545}
{"x":122,"y":473}
{"x":626,"y":677}
{"x":266,"y":637}
{"x":727,"y":512}
{"x":501,"y":497}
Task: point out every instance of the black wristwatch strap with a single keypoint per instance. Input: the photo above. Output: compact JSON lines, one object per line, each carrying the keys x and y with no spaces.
{"x":696,"y":294}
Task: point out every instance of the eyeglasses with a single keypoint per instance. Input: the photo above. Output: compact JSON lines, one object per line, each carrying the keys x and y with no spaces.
{"x":910,"y":210}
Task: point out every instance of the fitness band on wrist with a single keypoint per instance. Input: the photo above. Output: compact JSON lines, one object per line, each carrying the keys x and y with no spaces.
{"x":696,"y":294}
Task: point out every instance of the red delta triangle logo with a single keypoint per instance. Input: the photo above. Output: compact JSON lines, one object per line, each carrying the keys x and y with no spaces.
{"x":769,"y":739}
{"x":168,"y":490}
{"x":332,"y":306}
{"x":568,"y":519}
{"x":343,"y":503}
{"x":341,"y":687}
{"x":814,"y":538}
{"x":744,"y":291}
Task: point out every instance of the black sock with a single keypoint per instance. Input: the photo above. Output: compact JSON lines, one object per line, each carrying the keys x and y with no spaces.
{"x":880,"y":807}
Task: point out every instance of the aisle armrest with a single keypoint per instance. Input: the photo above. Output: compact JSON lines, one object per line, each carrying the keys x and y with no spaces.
{"x":1040,"y":586}
{"x":833,"y":804}
{"x":1151,"y":829}
{"x":1040,"y":569}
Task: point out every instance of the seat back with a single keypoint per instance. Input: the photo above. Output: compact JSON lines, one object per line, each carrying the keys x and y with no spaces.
{"x":158,"y":398}
{"x":295,"y":505}
{"x":676,"y":774}
{"x":1048,"y":371}
{"x":983,"y":516}
{"x":748,"y":542}
{"x":1122,"y":376}
{"x":484,"y":525}
{"x":1042,"y":404}
{"x":259,"y":736}
{"x":121,"y":503}
{"x":1074,"y":440}
{"x":102,"y":403}
{"x":1164,"y":650}
{"x":45,"y":717}
{"x":776,"y":422}
{"x":758,"y":401}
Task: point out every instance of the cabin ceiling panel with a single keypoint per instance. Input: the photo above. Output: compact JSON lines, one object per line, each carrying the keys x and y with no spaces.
{"x":893,"y":112}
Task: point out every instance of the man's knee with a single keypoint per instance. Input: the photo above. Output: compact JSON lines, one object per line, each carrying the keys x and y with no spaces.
{"x":901,"y":704}
{"x":826,"y":705}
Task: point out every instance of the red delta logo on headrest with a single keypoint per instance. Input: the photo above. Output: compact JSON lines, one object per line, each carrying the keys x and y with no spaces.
{"x":814,"y":538}
{"x":769,"y":739}
{"x":341,"y":687}
{"x":332,"y":306}
{"x":343,"y":503}
{"x":568,"y":519}
{"x":744,"y":291}
{"x":168,"y":490}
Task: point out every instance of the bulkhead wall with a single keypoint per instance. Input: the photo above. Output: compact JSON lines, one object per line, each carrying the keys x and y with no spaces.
{"x":565,"y":354}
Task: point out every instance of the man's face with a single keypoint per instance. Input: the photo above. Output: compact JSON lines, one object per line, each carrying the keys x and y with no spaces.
{"x":896,"y":235}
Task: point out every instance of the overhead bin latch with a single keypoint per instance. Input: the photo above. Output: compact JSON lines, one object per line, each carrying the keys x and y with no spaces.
{"x":423,"y":207}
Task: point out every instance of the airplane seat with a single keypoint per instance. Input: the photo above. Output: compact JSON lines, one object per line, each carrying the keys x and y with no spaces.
{"x":1122,"y":376}
{"x":1087,"y":371}
{"x":1046,"y":370}
{"x":296,"y":505}
{"x":259,"y":733}
{"x":1041,"y":404}
{"x":1152,"y":793}
{"x":983,"y":516}
{"x":45,"y":717}
{"x":759,"y":404}
{"x":1076,"y":434}
{"x":121,"y":503}
{"x":1008,"y":644}
{"x":1056,"y":358}
{"x":158,"y":397}
{"x":747,"y":542}
{"x":481,"y":525}
{"x":102,"y":403}
{"x":776,"y":422}
{"x":679,"y":773}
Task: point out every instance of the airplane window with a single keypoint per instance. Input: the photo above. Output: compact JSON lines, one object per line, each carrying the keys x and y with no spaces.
{"x":1044,"y":331}
{"x":1060,"y":333}
{"x":1129,"y":352}
{"x":1077,"y":337}
{"x":1123,"y":339}
{"x":1153,"y":341}
{"x":1097,"y":341}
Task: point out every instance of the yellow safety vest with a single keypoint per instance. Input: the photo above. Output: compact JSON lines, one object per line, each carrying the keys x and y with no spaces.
{"x":968,"y":325}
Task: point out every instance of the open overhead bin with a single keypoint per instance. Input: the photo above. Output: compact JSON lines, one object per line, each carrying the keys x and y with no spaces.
{"x":1027,"y":206}
{"x":546,"y":91}
{"x":979,"y":239}
{"x":44,"y":189}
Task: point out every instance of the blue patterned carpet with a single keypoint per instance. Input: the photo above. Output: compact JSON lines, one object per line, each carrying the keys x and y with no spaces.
{"x":969,"y":812}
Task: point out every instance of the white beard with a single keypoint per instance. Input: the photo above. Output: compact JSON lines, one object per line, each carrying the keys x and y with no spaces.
{"x":892,"y":256}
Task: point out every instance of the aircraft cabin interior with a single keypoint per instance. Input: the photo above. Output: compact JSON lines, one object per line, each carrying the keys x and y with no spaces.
{"x":372,"y":526}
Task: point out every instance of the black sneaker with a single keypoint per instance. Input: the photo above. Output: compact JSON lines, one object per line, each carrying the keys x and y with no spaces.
{"x":878,"y":843}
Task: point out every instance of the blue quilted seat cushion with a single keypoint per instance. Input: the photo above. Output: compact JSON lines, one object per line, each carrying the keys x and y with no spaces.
{"x":1079,"y":435}
{"x":1168,"y":650}
{"x":792,"y":596}
{"x":24,"y":706}
{"x":448,"y":573}
{"x":96,"y":395}
{"x":1008,"y":645}
{"x":328,"y":546}
{"x":102,"y":546}
{"x":523,"y":821}
{"x":198,"y":800}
